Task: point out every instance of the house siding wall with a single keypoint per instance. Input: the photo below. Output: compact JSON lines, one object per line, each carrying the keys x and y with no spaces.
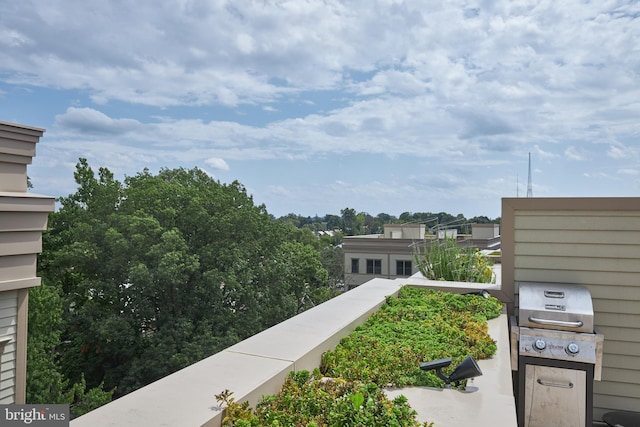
{"x":596,"y":243}
{"x":8,"y":329}
{"x":23,"y":217}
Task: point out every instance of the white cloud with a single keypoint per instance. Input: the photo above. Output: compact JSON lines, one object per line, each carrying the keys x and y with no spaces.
{"x":453,"y":86}
{"x":596,"y":175}
{"x":542,"y":153}
{"x":279,"y":190}
{"x":620,"y":151}
{"x":217,"y":163}
{"x":13,"y":38}
{"x":573,"y":153}
{"x":183,"y":54}
{"x":90,"y":121}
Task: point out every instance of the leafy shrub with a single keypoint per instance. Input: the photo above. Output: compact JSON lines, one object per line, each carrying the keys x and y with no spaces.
{"x":444,"y":260}
{"x":309,"y":400}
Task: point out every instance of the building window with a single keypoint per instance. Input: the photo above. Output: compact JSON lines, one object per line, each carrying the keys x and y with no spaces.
{"x":374,"y":266}
{"x":355,"y":265}
{"x":403,"y":268}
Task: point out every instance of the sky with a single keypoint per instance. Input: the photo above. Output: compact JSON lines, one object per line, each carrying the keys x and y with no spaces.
{"x":382,"y":106}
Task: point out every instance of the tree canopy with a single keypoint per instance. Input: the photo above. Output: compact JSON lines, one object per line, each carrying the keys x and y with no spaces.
{"x":152,"y":274}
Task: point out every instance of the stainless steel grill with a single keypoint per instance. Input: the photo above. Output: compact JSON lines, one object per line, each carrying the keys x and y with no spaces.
{"x":558,"y":353}
{"x":555,"y":306}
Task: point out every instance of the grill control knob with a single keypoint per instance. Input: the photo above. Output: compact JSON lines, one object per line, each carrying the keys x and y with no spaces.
{"x":572,"y":349}
{"x":539,"y":344}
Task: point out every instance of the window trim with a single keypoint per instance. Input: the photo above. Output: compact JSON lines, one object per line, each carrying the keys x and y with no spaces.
{"x":376,"y":266}
{"x":355,"y":262}
{"x":401,"y":267}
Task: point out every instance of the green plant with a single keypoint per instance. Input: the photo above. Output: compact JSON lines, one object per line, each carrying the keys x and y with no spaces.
{"x":310,"y":400}
{"x":444,"y":260}
{"x":236,"y":413}
{"x":417,"y":326}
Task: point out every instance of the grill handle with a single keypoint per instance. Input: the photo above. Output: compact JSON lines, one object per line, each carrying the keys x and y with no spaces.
{"x":552,"y":384}
{"x":553,"y":294}
{"x":548,"y":322}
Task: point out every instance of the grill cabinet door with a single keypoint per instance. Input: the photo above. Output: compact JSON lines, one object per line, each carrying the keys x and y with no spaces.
{"x":554,"y":397}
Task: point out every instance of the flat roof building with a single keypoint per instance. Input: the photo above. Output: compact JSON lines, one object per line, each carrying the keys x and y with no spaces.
{"x":392,"y":254}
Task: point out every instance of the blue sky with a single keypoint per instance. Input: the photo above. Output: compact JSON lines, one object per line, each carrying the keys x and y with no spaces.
{"x":380,"y":106}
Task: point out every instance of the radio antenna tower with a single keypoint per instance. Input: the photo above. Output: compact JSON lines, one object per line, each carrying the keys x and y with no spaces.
{"x":529,"y":186}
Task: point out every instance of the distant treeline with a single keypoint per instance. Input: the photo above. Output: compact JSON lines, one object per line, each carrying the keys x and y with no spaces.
{"x":353,"y":223}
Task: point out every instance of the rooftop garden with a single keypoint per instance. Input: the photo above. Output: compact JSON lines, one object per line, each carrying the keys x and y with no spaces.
{"x":347,"y":389}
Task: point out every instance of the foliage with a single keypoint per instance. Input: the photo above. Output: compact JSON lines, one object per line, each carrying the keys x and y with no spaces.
{"x":332,"y":259}
{"x":160,"y":271}
{"x":45,"y":382}
{"x":444,"y":260}
{"x":417,"y":326}
{"x":83,"y":400}
{"x":309,"y":400}
{"x":237,"y":413}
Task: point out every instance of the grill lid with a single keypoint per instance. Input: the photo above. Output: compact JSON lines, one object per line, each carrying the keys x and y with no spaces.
{"x":558,"y":306}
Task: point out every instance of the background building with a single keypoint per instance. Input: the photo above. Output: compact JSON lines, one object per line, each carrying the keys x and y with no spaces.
{"x":391,"y":254}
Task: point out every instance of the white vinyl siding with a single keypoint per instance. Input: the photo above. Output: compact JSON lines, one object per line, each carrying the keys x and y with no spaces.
{"x":8,"y":322}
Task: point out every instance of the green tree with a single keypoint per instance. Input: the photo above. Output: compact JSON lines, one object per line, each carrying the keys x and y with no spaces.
{"x":334,"y":222}
{"x":45,"y":382}
{"x":353,"y":222}
{"x":332,"y":259}
{"x":162,"y":270}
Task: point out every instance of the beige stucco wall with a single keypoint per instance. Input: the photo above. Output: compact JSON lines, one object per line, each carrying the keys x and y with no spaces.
{"x":404,"y":231}
{"x":388,"y":251}
{"x":593,"y":242}
{"x":23,"y":217}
